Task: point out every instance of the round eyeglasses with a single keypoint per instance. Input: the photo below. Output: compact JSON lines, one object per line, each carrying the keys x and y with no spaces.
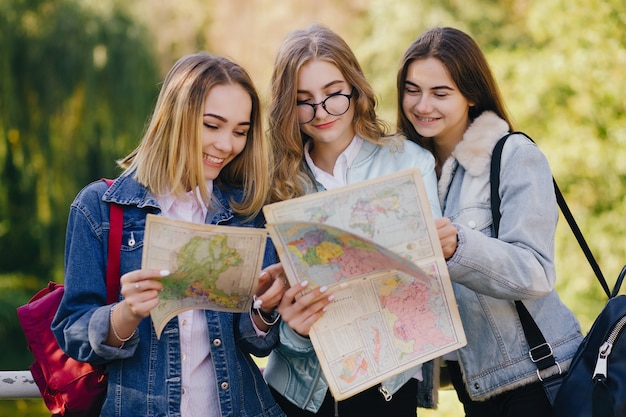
{"x":335,"y":105}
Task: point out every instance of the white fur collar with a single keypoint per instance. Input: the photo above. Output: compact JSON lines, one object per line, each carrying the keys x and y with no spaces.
{"x":474,"y":151}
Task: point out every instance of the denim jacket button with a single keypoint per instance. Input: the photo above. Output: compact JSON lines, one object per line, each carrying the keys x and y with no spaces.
{"x":224,"y":385}
{"x":471,"y":224}
{"x":217,"y":342}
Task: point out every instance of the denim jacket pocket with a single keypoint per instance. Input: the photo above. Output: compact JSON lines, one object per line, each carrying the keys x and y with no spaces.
{"x":132,"y":244}
{"x":132,"y":239}
{"x":476,"y":217}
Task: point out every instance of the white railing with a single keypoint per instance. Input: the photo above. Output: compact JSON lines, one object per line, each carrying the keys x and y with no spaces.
{"x":17,"y":384}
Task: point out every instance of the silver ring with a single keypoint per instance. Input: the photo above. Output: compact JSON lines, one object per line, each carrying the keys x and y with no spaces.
{"x":136,"y":285}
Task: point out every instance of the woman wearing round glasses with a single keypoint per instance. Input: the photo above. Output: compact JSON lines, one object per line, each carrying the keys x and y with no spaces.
{"x":335,"y":104}
{"x":326,"y":134}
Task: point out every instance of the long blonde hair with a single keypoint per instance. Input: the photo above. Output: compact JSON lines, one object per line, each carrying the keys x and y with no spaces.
{"x":291,"y":176}
{"x":169,"y":156}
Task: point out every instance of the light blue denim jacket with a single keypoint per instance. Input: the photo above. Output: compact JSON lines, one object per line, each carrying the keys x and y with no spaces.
{"x":488,"y":274}
{"x":293,"y":368}
{"x":145,"y":375}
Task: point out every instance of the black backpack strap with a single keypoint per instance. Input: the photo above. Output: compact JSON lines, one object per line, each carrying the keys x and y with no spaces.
{"x":540,"y":351}
{"x":494,"y":179}
{"x":495,"y":209}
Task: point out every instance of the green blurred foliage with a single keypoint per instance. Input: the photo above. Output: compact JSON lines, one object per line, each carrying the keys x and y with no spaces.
{"x":76,"y":84}
{"x":78,"y":79}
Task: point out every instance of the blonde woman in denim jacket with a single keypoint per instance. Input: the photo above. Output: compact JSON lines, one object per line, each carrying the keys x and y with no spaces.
{"x":326,"y":134}
{"x":449,"y":103}
{"x":203,"y":158}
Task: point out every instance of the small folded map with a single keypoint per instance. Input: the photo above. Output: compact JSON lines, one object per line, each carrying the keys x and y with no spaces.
{"x":211,"y":267}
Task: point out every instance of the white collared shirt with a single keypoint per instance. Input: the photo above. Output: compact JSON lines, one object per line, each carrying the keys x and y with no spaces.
{"x":339,"y":178}
{"x":199,"y":387}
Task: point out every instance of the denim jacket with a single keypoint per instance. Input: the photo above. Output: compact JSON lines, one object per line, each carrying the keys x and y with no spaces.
{"x":489,"y":273}
{"x":145,"y":375}
{"x":293,"y":368}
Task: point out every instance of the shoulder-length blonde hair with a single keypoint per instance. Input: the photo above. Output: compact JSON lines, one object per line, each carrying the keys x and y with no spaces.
{"x":291,"y":177}
{"x":467,"y":66}
{"x":169,"y":156}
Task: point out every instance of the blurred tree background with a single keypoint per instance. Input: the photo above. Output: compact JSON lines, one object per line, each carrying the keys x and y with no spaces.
{"x":78,"y":80}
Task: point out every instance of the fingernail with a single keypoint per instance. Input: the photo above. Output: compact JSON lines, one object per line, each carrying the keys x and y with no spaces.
{"x":262,"y":273}
{"x":323,"y":288}
{"x":257,"y":303}
{"x":331,"y":297}
{"x":304,"y":283}
{"x":164,"y":272}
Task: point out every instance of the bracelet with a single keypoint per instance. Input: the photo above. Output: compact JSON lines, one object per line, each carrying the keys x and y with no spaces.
{"x":268,"y":319}
{"x":117,"y":336}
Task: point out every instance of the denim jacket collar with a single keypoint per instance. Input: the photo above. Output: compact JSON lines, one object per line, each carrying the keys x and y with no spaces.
{"x":127,"y":191}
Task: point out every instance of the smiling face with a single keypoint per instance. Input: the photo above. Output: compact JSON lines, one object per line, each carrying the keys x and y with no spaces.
{"x":317,"y":80}
{"x":226,"y":121}
{"x":433,"y":103}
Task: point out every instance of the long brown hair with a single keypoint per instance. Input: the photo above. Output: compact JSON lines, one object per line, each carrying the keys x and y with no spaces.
{"x":467,"y":67}
{"x":169,"y":156}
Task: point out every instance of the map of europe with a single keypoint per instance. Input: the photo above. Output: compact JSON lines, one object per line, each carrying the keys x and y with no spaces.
{"x":331,"y":254}
{"x":199,"y":265}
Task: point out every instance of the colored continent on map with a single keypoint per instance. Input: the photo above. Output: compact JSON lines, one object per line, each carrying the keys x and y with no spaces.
{"x":353,"y":367}
{"x":414,"y":308}
{"x":374,"y":334}
{"x":331,"y":254}
{"x":383,"y":213}
{"x":374,"y":245}
{"x":199,"y":264}
{"x":386,"y":202}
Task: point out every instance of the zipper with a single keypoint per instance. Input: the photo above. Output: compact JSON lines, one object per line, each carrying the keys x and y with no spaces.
{"x":600,"y":373}
{"x":385,"y":392}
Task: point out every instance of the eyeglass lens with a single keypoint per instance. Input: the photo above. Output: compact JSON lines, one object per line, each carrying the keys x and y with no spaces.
{"x":335,"y":105}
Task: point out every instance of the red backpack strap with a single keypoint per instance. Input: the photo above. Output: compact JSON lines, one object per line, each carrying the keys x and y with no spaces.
{"x":116,"y":220}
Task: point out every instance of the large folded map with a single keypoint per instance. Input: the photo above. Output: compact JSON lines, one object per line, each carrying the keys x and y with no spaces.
{"x":375,"y":245}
